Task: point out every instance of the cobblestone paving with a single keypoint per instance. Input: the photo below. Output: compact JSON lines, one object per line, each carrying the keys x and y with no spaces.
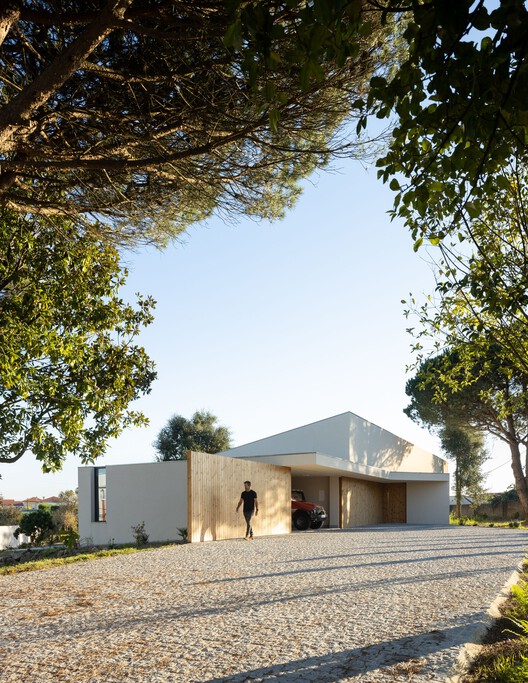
{"x":375,"y":604}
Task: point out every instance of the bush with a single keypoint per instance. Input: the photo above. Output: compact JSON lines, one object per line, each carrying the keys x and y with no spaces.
{"x":65,"y":517}
{"x":70,"y":538}
{"x":37,"y":524}
{"x":9,"y":515}
{"x":140,"y":534}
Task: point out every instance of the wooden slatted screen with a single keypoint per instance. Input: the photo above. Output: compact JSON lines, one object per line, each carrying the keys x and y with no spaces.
{"x":214,"y":485}
{"x":395,"y":503}
{"x":361,"y":502}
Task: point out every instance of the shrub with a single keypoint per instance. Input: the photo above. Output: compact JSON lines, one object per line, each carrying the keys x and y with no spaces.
{"x":140,"y":534}
{"x":37,"y":524}
{"x":9,"y":515}
{"x":70,"y":538}
{"x":65,"y":517}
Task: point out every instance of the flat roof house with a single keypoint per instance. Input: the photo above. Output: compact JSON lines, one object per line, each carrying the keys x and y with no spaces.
{"x":361,"y":473}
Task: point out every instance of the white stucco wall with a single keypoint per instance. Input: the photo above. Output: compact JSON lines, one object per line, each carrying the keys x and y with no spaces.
{"x":428,"y":502}
{"x":154,"y":493}
{"x":348,"y":437}
{"x":325,"y":436}
{"x":7,"y":540}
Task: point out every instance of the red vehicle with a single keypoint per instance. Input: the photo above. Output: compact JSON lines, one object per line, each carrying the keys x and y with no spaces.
{"x":306,"y":515}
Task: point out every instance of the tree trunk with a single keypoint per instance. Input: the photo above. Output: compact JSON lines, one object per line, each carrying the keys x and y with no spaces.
{"x":520,"y":479}
{"x":458,"y":493}
{"x":19,"y":110}
{"x":9,"y":15}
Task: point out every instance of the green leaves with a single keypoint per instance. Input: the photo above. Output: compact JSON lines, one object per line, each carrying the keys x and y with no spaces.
{"x":200,"y":433}
{"x":68,"y":366}
{"x":460,"y":107}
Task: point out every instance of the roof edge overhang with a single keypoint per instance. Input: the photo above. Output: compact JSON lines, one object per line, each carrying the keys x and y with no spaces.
{"x":319,"y":464}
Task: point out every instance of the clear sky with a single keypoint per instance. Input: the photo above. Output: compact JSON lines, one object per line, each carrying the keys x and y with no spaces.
{"x":273,"y":326}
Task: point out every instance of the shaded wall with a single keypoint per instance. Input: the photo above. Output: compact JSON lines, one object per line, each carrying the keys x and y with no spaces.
{"x":428,"y":502}
{"x":316,"y":490}
{"x":7,"y":540}
{"x":214,"y":487}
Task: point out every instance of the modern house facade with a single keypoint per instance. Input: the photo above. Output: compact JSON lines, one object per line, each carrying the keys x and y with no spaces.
{"x":361,"y":473}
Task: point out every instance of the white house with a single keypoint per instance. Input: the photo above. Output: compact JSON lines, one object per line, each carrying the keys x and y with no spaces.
{"x":361,"y":473}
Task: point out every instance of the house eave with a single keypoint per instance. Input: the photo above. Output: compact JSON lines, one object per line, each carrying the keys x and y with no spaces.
{"x":319,"y":464}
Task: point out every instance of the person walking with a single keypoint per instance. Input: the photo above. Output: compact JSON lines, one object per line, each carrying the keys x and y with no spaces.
{"x":248,"y":498}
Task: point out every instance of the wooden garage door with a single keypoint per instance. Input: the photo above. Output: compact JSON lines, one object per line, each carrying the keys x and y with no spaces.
{"x":395,"y":503}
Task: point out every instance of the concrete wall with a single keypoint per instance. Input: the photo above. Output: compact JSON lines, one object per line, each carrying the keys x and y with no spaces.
{"x":154,"y":493}
{"x":373,"y":446}
{"x":428,"y":502}
{"x":351,"y":438}
{"x":7,"y":540}
{"x":325,"y":436}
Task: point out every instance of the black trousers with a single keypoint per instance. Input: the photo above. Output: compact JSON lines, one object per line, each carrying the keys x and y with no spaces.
{"x":247,"y":516}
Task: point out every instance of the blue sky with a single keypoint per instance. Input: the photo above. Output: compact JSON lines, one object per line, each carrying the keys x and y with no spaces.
{"x":272,"y":326}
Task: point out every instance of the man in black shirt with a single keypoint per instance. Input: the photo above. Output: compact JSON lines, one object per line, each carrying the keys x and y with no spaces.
{"x":249,"y":499}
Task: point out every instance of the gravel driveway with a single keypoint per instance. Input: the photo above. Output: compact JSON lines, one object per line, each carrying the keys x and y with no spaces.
{"x":387,"y":603}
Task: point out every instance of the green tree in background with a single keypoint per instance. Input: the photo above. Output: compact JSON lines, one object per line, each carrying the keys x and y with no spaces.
{"x":69,"y":365}
{"x":38,"y":524}
{"x":9,"y":515}
{"x":452,"y":420}
{"x":201,"y":433}
{"x":473,"y":386}
{"x":466,"y":447}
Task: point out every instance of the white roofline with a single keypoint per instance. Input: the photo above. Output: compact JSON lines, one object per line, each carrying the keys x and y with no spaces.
{"x":328,"y":465}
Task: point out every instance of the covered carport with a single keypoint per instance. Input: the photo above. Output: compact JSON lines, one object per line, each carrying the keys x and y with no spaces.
{"x":361,"y":473}
{"x":358,"y":495}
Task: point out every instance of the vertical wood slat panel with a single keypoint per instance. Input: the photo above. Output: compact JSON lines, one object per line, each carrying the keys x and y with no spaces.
{"x":361,"y":502}
{"x":214,"y":486}
{"x":395,"y":503}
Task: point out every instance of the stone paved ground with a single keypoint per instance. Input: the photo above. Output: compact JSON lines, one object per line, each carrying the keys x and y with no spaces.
{"x":375,"y":604}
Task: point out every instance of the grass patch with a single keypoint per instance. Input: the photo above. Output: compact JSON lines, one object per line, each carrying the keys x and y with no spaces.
{"x":499,"y":524}
{"x":47,"y":562}
{"x":504,"y":655}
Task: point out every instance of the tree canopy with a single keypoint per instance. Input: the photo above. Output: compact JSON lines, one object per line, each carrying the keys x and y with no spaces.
{"x":453,"y":418}
{"x":473,"y":386}
{"x":69,"y":365}
{"x":460,"y":100}
{"x":143,"y":111}
{"x":201,"y":433}
{"x":466,"y":447}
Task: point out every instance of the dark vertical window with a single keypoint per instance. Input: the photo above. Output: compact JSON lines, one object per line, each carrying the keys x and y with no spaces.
{"x":100,"y":494}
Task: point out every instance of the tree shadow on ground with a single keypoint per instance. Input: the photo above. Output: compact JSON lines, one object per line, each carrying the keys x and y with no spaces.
{"x":388,"y":656}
